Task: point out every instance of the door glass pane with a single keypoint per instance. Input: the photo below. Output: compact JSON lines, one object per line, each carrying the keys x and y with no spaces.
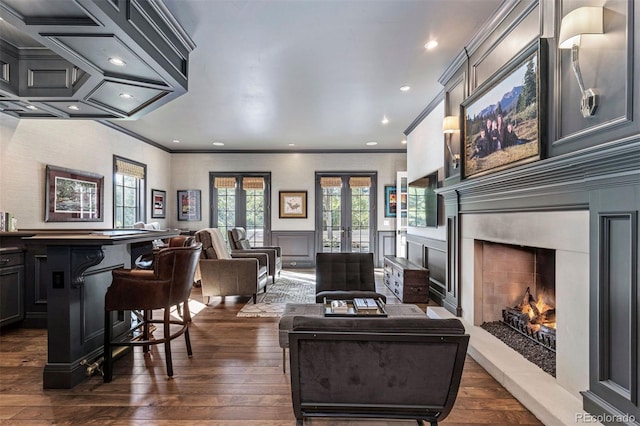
{"x":255,"y":216}
{"x":331,"y":219}
{"x":360,"y":219}
{"x":226,"y":202}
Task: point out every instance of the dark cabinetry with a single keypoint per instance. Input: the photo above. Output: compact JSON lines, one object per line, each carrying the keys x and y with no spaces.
{"x":408,"y":281}
{"x":11,"y":286}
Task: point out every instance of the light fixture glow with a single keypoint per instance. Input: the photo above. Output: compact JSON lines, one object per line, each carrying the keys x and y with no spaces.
{"x":292,"y":144}
{"x":176,"y":141}
{"x":32,"y":107}
{"x":583,"y":20}
{"x":117,"y":61}
{"x":126,"y":96}
{"x":218,"y":143}
{"x":371,"y":143}
{"x":405,"y":88}
{"x":431,"y":44}
{"x":384,"y":120}
{"x":403,"y":141}
{"x":73,"y":107}
{"x":451,"y":125}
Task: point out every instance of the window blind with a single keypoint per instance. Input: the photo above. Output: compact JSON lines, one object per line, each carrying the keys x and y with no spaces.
{"x":330,"y":182}
{"x":253,"y":183}
{"x":127,"y":168}
{"x":360,"y":182}
{"x":224,"y":182}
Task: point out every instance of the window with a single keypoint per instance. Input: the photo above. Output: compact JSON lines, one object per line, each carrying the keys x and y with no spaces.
{"x":241,"y":199}
{"x":129,"y":189}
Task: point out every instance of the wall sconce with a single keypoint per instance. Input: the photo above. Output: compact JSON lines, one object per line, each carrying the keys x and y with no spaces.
{"x":451,"y":125}
{"x":584,"y":20}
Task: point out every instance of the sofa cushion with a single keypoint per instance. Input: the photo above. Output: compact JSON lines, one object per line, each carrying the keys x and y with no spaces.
{"x":379,"y":325}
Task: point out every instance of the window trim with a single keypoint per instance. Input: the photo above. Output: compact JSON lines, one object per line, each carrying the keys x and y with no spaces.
{"x":141,"y":206}
{"x":213,"y":208}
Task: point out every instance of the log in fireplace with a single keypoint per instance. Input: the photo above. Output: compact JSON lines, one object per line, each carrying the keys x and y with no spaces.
{"x":534,"y":318}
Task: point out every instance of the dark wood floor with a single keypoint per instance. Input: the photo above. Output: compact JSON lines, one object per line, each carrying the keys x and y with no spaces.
{"x":234,"y":378}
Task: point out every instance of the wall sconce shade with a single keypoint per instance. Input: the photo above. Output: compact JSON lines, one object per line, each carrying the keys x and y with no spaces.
{"x":584,"y":20}
{"x":451,"y":125}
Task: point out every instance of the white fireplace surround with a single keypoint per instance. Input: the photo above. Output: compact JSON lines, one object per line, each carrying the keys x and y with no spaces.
{"x":567,"y":232}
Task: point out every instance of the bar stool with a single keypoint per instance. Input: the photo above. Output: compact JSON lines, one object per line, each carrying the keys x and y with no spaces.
{"x":167,"y":285}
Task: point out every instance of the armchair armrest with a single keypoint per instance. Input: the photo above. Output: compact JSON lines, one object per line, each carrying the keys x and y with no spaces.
{"x":263,"y":258}
{"x":278,"y":249}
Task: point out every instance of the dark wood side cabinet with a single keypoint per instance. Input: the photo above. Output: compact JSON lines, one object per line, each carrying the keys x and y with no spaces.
{"x":11,"y":285}
{"x":408,"y":281}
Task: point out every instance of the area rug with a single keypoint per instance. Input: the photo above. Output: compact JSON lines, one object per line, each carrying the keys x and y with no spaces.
{"x":290,"y":287}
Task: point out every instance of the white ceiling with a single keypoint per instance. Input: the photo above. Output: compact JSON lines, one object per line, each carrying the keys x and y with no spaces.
{"x":320,"y":74}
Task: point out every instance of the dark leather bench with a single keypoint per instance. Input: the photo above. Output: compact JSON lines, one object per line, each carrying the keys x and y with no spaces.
{"x":401,"y":368}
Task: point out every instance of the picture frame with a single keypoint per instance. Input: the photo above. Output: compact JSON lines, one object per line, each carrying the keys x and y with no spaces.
{"x":390,"y":201}
{"x":293,"y":204}
{"x":504,"y":119}
{"x":158,"y":204}
{"x":73,"y":195}
{"x":189,"y":206}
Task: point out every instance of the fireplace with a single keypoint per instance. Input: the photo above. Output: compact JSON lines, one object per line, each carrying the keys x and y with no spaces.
{"x":504,"y":253}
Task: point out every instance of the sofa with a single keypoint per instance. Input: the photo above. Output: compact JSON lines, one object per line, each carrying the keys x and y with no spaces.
{"x":395,"y":368}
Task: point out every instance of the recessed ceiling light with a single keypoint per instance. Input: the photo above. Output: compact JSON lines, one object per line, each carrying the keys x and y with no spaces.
{"x":384,"y":120}
{"x":371,"y":143}
{"x":431,"y":44}
{"x":73,"y":107}
{"x":32,"y":107}
{"x":117,"y":61}
{"x":292,"y":144}
{"x":176,"y":141}
{"x":218,"y":143}
{"x":403,"y":141}
{"x":405,"y":88}
{"x":126,"y":96}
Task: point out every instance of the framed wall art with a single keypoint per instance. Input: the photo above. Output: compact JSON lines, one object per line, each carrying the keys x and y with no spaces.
{"x":504,"y":118}
{"x":293,"y":204}
{"x":73,"y":195}
{"x":158,"y":204}
{"x":390,"y":201}
{"x":189,"y":204}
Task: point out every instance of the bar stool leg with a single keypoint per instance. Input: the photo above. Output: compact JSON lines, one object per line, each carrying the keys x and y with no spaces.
{"x":167,"y":341}
{"x":107,"y":367}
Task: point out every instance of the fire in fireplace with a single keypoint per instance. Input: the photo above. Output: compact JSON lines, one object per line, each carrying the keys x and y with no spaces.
{"x":534,"y":318}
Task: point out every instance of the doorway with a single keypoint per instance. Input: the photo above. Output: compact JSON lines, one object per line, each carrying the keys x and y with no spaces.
{"x":346,"y":212}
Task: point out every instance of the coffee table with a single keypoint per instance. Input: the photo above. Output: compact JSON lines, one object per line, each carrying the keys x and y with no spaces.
{"x":395,"y":310}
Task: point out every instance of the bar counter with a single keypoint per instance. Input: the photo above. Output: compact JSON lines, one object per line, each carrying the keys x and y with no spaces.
{"x":77,"y":272}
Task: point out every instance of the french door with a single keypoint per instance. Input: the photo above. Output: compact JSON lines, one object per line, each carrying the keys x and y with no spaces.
{"x":345,"y":212}
{"x":241,"y":199}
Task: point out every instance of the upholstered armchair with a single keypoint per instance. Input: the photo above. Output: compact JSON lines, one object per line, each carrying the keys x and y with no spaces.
{"x":222,"y":273}
{"x":345,"y":276}
{"x":240,"y":244}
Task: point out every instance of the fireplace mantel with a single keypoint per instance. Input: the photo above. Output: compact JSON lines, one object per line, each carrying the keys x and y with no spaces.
{"x":556,"y":183}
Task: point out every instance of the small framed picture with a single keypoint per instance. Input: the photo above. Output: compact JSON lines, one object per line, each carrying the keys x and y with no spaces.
{"x":158,"y":204}
{"x":189,"y":204}
{"x":390,"y":201}
{"x":293,"y":204}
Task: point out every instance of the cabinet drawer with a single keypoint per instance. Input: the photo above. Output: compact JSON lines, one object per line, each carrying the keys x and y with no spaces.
{"x":11,"y":259}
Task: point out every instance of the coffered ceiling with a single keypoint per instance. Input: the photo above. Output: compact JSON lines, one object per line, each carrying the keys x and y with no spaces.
{"x":283,"y":75}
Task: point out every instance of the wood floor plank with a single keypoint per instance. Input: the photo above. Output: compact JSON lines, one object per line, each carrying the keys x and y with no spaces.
{"x":234,"y":378}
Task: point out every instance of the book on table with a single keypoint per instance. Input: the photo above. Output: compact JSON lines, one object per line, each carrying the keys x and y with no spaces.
{"x":339,"y":306}
{"x":365,"y":304}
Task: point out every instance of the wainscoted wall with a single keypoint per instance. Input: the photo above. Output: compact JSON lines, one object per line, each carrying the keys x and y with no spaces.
{"x":298,"y":249}
{"x":386,"y":245}
{"x":431,"y":254}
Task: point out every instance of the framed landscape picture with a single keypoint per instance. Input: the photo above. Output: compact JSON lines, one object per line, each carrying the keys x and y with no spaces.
{"x":158,"y":204}
{"x":189,"y":204}
{"x":293,"y":204}
{"x":73,"y":195}
{"x":503,"y":119}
